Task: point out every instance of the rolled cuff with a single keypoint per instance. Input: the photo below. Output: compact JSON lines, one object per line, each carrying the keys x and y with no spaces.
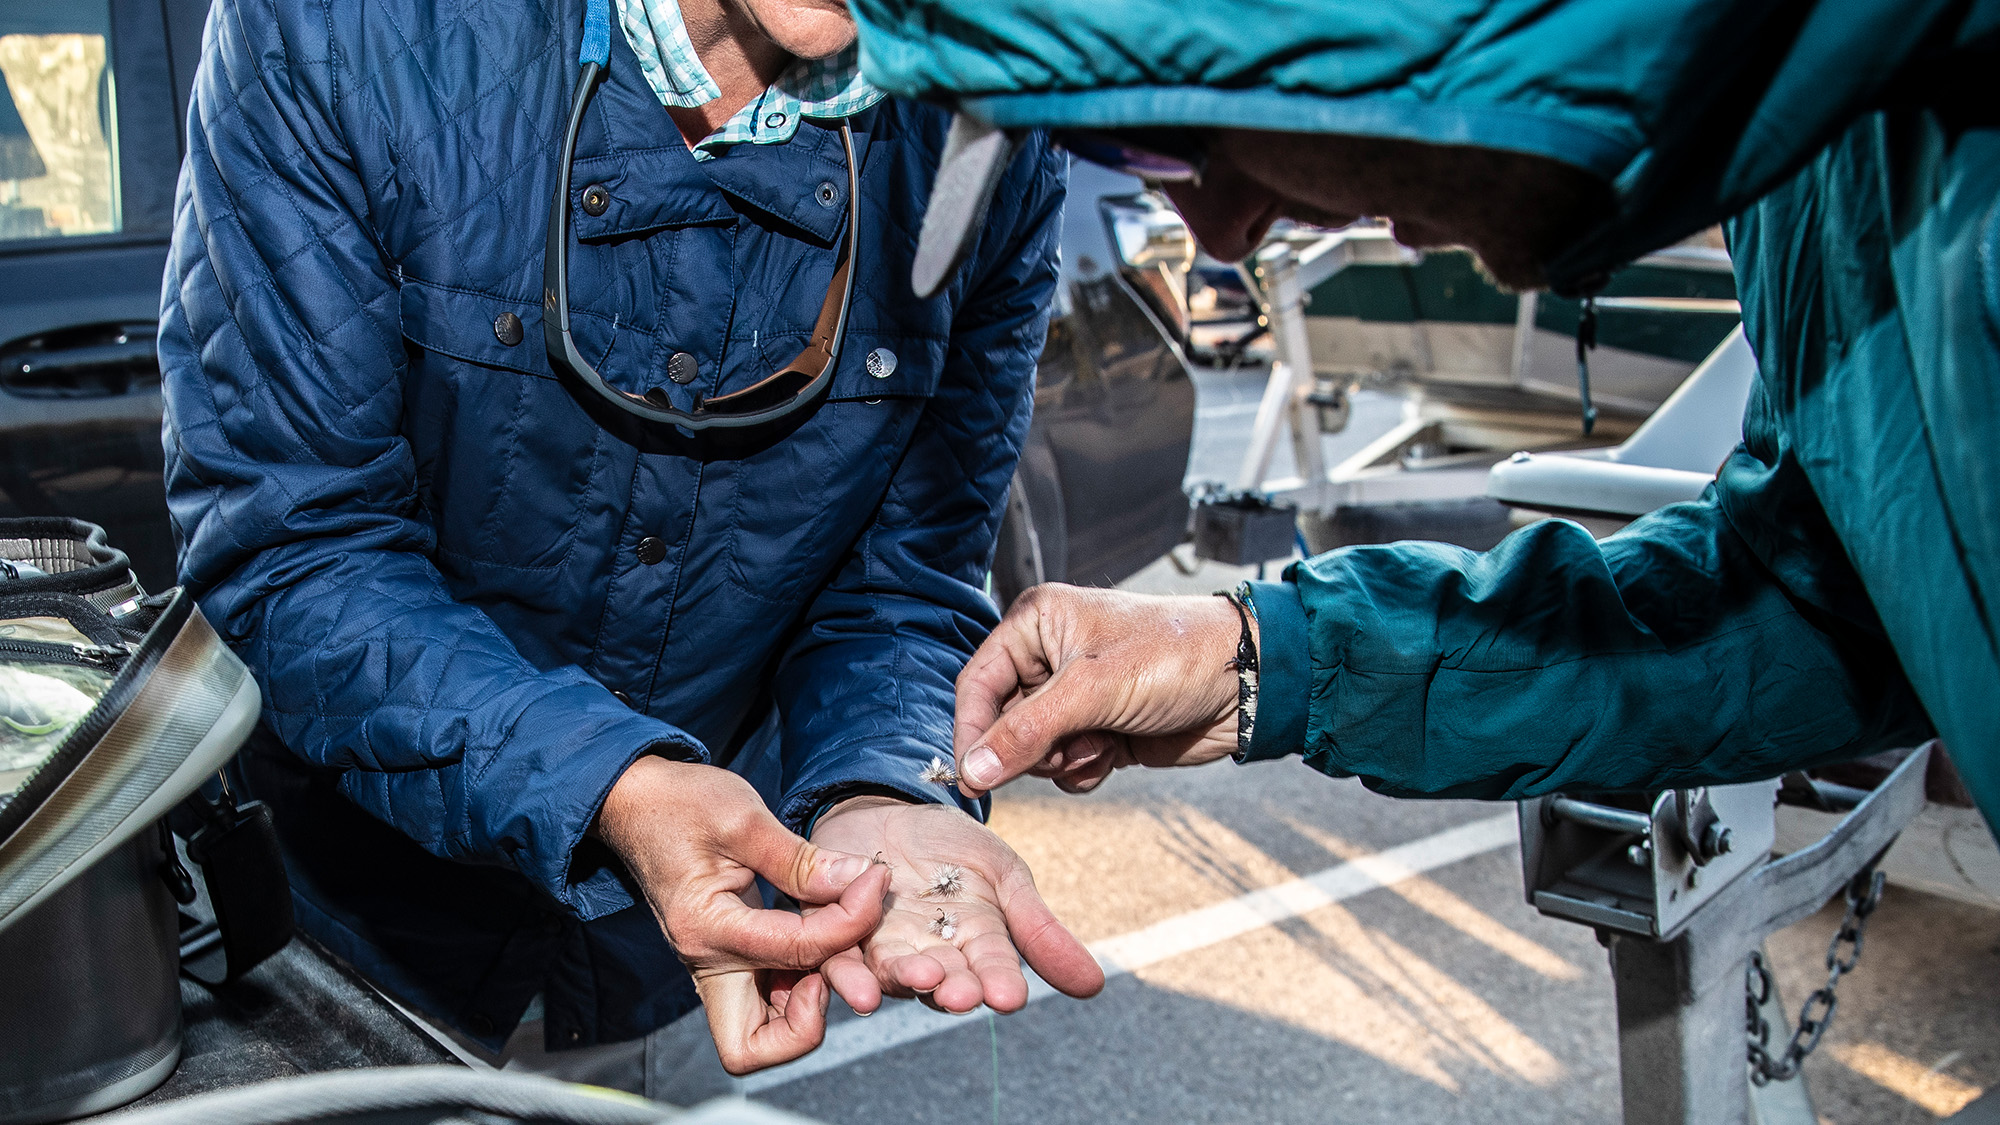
{"x":1284,"y":683}
{"x":878,"y":765}
{"x":563,"y":787}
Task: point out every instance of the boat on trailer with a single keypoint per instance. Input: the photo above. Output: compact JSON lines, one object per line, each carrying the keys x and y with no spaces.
{"x":1484,"y":374}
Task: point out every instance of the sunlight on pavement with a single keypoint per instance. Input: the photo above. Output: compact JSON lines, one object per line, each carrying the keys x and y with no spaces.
{"x":1426,"y":895}
{"x":1330,"y":974}
{"x":1108,"y":868}
{"x":1929,"y":1088}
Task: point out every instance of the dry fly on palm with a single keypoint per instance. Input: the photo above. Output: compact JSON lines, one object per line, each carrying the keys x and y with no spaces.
{"x":945,"y":882}
{"x":945,"y":925}
{"x":939,"y":772}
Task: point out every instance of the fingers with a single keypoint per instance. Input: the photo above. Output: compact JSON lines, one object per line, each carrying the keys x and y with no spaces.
{"x":735,"y":934}
{"x":1069,"y":704}
{"x":959,"y":991}
{"x":902,"y":969}
{"x":791,"y":862}
{"x":849,"y":976}
{"x":992,"y":960}
{"x":1051,"y":950}
{"x":987,"y":686}
{"x":763,"y":1023}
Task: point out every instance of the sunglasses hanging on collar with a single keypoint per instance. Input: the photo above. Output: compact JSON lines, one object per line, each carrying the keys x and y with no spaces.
{"x":795,"y":387}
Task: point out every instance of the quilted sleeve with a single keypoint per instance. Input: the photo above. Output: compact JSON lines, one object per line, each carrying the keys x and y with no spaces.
{"x":294,"y":492}
{"x":865,"y":689}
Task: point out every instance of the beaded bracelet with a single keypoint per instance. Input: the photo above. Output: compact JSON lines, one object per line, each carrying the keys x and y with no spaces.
{"x":1246,"y":667}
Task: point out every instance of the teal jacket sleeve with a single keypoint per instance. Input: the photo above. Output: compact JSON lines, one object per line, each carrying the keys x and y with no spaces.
{"x":1717,"y":641}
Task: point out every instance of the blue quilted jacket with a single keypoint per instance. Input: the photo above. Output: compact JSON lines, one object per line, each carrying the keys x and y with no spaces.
{"x":474,"y":597}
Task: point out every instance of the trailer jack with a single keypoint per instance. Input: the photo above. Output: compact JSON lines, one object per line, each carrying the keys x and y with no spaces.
{"x":1682,"y":890}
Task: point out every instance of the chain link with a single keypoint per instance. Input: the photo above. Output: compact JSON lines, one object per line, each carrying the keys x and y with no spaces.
{"x":1864,"y":894}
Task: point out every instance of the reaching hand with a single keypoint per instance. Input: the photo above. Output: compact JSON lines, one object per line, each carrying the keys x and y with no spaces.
{"x":696,"y":837}
{"x":1078,"y":682}
{"x":960,"y":904}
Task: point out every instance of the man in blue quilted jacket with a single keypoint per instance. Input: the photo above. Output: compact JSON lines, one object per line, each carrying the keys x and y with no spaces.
{"x":508,"y":634}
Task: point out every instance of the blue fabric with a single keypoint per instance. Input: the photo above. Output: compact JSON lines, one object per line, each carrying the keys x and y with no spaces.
{"x":1838,"y":590}
{"x":596,"y":47}
{"x":426,"y":545}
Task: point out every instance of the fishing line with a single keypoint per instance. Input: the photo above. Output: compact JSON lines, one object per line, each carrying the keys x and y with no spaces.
{"x":993,"y":1036}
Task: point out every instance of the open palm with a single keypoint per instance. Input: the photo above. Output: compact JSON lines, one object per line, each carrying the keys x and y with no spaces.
{"x":960,"y":905}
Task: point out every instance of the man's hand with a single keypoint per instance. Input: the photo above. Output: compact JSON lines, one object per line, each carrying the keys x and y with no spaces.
{"x":696,"y":837}
{"x":960,"y":904}
{"x":1078,"y":682}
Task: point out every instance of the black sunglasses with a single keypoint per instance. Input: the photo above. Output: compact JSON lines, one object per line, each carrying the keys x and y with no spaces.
{"x":796,"y":386}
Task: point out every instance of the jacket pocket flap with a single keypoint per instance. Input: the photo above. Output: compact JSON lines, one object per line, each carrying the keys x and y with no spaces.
{"x":476,"y":327}
{"x":635,"y":193}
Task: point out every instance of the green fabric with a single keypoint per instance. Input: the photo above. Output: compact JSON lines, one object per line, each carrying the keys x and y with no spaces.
{"x":1692,"y":108}
{"x":1759,"y":630}
{"x":1838,"y":589}
{"x":1281,"y":656}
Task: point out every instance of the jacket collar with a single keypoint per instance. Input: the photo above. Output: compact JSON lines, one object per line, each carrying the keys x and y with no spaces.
{"x":627,"y":137}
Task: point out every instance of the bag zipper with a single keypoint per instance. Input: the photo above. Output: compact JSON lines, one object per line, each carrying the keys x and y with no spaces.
{"x":81,"y":656}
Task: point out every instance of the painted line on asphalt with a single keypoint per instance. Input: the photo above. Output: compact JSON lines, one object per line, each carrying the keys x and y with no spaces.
{"x":903,"y":1023}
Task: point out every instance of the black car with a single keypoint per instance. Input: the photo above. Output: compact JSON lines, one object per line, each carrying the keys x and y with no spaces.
{"x":91,"y":116}
{"x":1098,"y":494}
{"x":91,"y":138}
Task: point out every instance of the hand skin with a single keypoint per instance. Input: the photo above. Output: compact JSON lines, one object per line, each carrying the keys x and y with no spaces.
{"x":1078,"y":682}
{"x":696,"y":837}
{"x":994,"y":911}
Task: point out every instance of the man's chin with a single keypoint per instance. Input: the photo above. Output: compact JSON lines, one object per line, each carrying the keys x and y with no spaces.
{"x":807,"y":29}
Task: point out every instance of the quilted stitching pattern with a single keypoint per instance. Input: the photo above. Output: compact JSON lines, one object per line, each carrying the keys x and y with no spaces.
{"x":431,"y":572}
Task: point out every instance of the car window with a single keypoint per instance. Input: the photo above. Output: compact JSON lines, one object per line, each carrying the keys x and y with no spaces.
{"x":58,"y":120}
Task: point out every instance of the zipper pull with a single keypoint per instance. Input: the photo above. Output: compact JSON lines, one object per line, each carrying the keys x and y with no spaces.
{"x":100,"y":655}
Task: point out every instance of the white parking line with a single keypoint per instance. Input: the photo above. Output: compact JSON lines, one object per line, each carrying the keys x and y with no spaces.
{"x":908,"y":1022}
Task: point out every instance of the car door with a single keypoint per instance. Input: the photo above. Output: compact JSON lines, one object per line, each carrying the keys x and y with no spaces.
{"x":1098,"y":494}
{"x":90,"y":145}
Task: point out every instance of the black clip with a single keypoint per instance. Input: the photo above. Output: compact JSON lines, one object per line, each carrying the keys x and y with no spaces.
{"x":1586,"y":339}
{"x":236,"y":847}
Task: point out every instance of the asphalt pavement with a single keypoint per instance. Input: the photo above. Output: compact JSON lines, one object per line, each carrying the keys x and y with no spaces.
{"x":1285,"y":947}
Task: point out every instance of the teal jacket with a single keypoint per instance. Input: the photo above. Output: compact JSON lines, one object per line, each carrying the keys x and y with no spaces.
{"x":1837,"y":591}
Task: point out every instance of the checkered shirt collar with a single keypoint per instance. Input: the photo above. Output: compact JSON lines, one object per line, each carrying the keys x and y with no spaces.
{"x":825,"y":89}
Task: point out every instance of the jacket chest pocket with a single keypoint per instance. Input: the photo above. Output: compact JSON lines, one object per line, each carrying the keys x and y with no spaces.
{"x":797,"y":507}
{"x":504,"y":455}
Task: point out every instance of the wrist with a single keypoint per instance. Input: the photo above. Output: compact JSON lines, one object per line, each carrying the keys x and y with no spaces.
{"x":858,"y":802}
{"x":641,"y":796}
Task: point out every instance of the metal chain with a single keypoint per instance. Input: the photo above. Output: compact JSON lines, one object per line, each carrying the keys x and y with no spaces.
{"x":1864,"y":894}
